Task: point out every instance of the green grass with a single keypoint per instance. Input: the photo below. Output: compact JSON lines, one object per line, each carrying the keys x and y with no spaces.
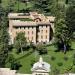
{"x":26,"y":60}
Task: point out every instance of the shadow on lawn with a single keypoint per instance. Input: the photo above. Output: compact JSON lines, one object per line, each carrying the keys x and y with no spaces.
{"x":17,"y":59}
{"x":71,"y":49}
{"x":29,"y":53}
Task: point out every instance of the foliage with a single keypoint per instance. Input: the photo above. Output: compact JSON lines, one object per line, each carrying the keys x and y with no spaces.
{"x":20,"y":42}
{"x":70,"y":19}
{"x":27,"y":59}
{"x":15,"y":65}
{"x":3,"y":37}
{"x":41,"y":49}
{"x":53,"y":58}
{"x":60,"y":63}
{"x":42,"y":5}
{"x":65,"y":58}
{"x":11,"y":58}
{"x":74,"y":59}
{"x":62,"y":32}
{"x":56,"y":71}
{"x":73,"y":69}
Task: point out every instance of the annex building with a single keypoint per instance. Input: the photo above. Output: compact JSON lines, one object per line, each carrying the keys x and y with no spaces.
{"x":37,"y":27}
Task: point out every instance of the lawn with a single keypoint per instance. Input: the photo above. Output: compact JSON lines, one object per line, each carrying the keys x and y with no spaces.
{"x":55,"y":59}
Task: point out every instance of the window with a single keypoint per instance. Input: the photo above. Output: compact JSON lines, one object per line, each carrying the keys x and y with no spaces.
{"x":41,"y":31}
{"x":28,"y":27}
{"x":32,"y":32}
{"x":32,"y":38}
{"x":46,"y":31}
{"x":24,"y":27}
{"x":16,"y":27}
{"x":32,"y":27}
{"x":28,"y":32}
{"x":46,"y":36}
{"x":20,"y":27}
{"x":46,"y":26}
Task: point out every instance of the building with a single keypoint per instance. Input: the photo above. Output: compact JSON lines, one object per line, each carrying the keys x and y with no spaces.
{"x":37,"y":27}
{"x":39,"y":68}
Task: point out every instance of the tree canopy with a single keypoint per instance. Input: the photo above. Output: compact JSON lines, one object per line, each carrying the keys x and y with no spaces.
{"x":20,"y":42}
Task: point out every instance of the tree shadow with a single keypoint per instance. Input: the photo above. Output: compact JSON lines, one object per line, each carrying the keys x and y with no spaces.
{"x":24,"y":56}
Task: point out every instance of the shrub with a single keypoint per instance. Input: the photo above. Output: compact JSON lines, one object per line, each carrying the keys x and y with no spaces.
{"x":53,"y":58}
{"x":56,"y":71}
{"x":60,"y":64}
{"x":65,"y":58}
{"x":15,"y":65}
{"x":32,"y":62}
{"x":73,"y":69}
{"x":11,"y":58}
{"x":73,"y":61}
{"x":74,"y":56}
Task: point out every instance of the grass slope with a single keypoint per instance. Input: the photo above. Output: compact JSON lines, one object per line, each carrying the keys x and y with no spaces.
{"x":28,"y":57}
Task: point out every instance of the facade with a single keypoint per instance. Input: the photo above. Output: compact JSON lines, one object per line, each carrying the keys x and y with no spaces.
{"x":39,"y":68}
{"x":37,"y":27}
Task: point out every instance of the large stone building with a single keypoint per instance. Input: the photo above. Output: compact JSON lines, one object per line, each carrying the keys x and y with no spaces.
{"x":37,"y":27}
{"x":39,"y":68}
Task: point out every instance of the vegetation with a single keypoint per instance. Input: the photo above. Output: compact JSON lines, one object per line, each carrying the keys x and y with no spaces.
{"x":3,"y":37}
{"x":20,"y":42}
{"x":28,"y":58}
{"x":64,"y":11}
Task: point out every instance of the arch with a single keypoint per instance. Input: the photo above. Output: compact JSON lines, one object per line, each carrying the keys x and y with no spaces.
{"x":37,"y":19}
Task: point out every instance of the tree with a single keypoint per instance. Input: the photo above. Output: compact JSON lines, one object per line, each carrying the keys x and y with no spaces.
{"x":66,"y":1}
{"x":71,"y":2}
{"x":70,"y":18}
{"x":15,"y":65}
{"x":3,"y":42}
{"x":11,"y":5}
{"x":3,"y":37}
{"x":56,"y":71}
{"x":0,"y":1}
{"x":41,"y":49}
{"x":63,"y":34}
{"x":20,"y":41}
{"x":42,"y":5}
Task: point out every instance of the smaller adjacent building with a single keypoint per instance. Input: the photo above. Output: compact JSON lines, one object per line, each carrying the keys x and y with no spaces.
{"x":39,"y":68}
{"x":37,"y":27}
